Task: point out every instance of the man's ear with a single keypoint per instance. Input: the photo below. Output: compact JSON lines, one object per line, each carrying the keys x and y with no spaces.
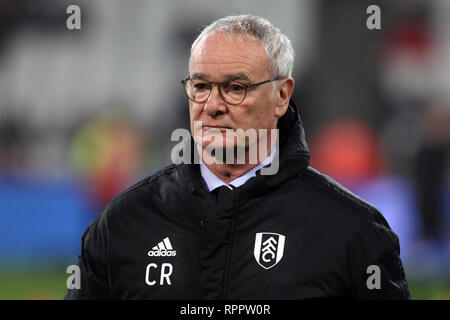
{"x":284,"y":95}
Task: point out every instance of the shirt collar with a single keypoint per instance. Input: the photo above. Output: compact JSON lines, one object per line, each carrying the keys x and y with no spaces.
{"x":213,"y":182}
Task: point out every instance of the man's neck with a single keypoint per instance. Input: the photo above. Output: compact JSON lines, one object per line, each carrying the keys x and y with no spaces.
{"x":229,"y":172}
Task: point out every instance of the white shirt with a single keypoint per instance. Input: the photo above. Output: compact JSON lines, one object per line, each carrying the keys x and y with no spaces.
{"x":213,"y":182}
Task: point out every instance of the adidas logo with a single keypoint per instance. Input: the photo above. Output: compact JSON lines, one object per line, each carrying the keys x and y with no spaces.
{"x":163,"y":249}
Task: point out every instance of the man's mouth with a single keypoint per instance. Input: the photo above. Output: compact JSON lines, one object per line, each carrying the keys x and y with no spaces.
{"x":207,"y":127}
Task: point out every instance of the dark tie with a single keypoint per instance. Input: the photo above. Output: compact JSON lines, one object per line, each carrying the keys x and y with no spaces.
{"x":223,"y":193}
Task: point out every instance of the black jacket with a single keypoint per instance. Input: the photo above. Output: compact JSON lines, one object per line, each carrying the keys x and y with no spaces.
{"x":294,"y":235}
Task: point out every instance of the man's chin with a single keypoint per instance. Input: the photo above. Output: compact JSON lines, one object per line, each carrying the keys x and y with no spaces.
{"x":218,"y":146}
{"x":223,"y":153}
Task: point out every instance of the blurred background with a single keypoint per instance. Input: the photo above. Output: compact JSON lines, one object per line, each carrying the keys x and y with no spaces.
{"x":86,"y":113}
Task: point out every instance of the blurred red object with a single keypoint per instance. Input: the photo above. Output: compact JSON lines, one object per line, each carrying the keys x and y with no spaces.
{"x":410,"y":36}
{"x":107,"y":153}
{"x":347,"y":150}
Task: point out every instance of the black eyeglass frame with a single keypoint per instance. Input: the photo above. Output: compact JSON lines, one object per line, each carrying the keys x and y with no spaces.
{"x":246,"y":86}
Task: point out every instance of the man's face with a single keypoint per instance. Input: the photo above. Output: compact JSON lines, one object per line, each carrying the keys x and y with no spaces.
{"x":218,"y":58}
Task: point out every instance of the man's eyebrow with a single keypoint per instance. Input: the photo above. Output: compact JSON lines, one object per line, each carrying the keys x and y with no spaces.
{"x":237,"y":76}
{"x":198,"y":76}
{"x":228,"y":77}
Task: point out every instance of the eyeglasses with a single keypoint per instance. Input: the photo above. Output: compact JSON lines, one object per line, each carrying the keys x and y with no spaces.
{"x":232,"y":92}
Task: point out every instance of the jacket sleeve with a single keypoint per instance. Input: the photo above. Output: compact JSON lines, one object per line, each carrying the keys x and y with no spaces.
{"x":92,"y":263}
{"x":375,"y":264}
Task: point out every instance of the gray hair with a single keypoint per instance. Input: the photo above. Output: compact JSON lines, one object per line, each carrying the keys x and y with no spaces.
{"x":277,"y":46}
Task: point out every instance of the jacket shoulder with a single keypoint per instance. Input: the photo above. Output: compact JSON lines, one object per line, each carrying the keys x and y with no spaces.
{"x":138,"y":192}
{"x":159,"y":176}
{"x":374,"y":242}
{"x":358,"y":209}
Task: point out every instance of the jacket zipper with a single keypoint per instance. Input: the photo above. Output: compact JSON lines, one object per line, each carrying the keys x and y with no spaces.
{"x":230,"y":248}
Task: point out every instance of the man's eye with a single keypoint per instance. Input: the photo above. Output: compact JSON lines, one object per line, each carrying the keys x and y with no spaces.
{"x":201,"y":86}
{"x":234,"y":87}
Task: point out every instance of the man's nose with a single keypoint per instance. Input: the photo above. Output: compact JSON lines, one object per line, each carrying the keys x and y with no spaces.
{"x":215,"y":104}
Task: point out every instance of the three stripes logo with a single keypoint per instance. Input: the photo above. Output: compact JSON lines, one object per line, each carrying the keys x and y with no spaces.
{"x":269,"y":248}
{"x":163,"y":249}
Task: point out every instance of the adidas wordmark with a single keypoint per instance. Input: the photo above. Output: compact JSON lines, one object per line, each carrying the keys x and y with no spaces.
{"x":163,"y":249}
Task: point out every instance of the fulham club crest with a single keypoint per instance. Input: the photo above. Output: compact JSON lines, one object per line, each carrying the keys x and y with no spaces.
{"x":269,"y":248}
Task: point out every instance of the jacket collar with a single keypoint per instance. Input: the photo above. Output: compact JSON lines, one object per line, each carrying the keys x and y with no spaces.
{"x":293,"y":159}
{"x":213,"y":182}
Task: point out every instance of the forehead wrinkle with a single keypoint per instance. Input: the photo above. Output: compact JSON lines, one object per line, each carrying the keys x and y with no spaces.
{"x":246,"y":60}
{"x":242,"y":71}
{"x":221,"y":70}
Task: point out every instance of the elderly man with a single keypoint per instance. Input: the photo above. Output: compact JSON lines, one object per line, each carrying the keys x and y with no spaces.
{"x":224,"y":230}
